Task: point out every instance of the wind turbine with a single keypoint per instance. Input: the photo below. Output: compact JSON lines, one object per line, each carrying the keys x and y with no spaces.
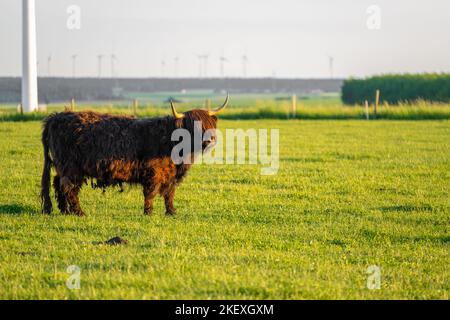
{"x":330,"y":65}
{"x":74,"y":58}
{"x":29,"y":60}
{"x":222,"y":59}
{"x":49,"y":61}
{"x":100,"y":57}
{"x":199,"y":56}
{"x":163,"y":67}
{"x":244,"y":65}
{"x":205,"y":65}
{"x":202,"y":65}
{"x":113,"y":60}
{"x":175,"y":66}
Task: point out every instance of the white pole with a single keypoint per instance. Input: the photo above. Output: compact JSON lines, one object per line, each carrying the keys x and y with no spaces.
{"x":29,"y":64}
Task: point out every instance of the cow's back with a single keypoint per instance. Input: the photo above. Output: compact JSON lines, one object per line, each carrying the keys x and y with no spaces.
{"x":84,"y":141}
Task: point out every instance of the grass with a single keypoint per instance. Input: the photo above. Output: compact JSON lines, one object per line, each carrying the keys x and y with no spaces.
{"x":261,"y":109}
{"x":245,"y":106}
{"x":349,"y":194}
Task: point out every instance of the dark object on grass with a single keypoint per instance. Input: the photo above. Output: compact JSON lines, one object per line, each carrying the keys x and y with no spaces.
{"x":115,"y":150}
{"x":116,"y":240}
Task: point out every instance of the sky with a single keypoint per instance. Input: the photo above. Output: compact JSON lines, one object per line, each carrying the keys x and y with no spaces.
{"x":280,"y":38}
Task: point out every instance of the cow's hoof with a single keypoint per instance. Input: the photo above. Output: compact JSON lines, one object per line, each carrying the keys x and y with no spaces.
{"x":171,"y":212}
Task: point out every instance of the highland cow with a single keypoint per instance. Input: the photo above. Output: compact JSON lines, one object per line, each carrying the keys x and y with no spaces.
{"x":112,"y":150}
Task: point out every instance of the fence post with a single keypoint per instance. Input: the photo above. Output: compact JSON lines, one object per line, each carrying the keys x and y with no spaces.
{"x":367,"y":109}
{"x":294,"y":105}
{"x":377,"y":101}
{"x":72,"y":104}
{"x":135,"y":106}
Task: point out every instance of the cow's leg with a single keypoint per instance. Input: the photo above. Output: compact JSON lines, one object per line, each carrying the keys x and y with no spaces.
{"x":74,"y":202}
{"x":71,"y":190}
{"x":150,"y":191}
{"x":168,"y":194}
{"x":59,"y":195}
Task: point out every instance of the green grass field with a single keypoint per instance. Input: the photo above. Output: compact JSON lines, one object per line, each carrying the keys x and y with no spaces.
{"x":244,"y":106}
{"x":349,"y":194}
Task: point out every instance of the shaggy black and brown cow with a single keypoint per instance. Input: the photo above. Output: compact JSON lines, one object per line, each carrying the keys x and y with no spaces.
{"x":113,"y":150}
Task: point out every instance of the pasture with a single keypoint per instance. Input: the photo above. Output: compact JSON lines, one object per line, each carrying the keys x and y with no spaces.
{"x":348,"y":195}
{"x":246,"y":106}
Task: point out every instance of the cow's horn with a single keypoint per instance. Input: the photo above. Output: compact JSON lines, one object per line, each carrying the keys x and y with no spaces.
{"x":174,"y":111}
{"x":214,"y":112}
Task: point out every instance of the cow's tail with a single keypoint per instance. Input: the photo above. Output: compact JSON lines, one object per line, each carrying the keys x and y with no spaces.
{"x":46,"y":202}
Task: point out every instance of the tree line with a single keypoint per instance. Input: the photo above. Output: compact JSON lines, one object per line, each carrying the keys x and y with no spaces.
{"x":395,"y":89}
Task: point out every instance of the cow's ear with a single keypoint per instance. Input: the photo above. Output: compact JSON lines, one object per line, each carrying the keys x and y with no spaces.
{"x":214,"y":117}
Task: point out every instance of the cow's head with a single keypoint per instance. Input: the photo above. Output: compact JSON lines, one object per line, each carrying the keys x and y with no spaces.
{"x":207,"y":118}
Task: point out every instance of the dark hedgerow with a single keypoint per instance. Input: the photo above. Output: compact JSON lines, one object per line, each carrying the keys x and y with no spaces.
{"x":397,"y":89}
